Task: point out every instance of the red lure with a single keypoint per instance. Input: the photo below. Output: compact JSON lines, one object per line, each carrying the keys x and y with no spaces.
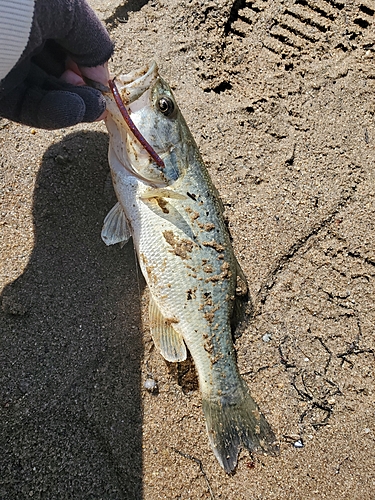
{"x":131,"y":125}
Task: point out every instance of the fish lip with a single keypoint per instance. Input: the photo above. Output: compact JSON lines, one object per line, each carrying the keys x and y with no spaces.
{"x":135,"y":83}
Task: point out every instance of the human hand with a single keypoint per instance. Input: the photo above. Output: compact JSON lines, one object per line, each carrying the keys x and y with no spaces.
{"x":46,"y":88}
{"x":76,"y":75}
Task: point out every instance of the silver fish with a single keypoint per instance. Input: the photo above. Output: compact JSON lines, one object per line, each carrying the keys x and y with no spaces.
{"x":175,"y":216}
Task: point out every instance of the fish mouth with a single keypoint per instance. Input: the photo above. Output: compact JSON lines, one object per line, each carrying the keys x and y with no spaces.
{"x":134,"y":84}
{"x":134,"y":89}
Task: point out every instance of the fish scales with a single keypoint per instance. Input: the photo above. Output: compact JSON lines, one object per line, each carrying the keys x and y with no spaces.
{"x":175,"y":217}
{"x":176,"y":275}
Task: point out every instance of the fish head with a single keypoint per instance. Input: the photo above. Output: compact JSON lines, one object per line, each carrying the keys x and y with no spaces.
{"x":153,"y":110}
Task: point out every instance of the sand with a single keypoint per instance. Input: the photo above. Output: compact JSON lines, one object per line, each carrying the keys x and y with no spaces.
{"x":280,"y":98}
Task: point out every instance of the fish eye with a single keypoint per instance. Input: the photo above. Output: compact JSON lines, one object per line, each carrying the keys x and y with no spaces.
{"x":166,"y":106}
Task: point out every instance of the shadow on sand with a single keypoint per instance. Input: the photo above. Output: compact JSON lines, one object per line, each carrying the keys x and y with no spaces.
{"x":71,"y":346}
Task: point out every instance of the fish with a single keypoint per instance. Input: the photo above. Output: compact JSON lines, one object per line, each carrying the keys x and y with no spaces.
{"x":198,"y":291}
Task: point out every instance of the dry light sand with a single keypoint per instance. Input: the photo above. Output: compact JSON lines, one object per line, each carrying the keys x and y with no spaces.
{"x":279,"y":95}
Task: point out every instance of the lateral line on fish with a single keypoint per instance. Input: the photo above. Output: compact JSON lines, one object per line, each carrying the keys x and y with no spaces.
{"x":162,"y":193}
{"x":131,"y":124}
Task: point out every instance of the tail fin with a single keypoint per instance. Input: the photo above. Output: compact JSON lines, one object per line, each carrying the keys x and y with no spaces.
{"x":233,"y":422}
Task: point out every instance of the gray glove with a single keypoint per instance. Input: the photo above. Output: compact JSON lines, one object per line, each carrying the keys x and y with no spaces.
{"x":32,"y":93}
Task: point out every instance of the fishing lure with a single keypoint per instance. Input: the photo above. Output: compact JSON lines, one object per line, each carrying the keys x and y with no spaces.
{"x":131,"y":125}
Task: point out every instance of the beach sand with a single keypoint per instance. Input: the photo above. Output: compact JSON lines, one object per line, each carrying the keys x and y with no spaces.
{"x":279,"y":96}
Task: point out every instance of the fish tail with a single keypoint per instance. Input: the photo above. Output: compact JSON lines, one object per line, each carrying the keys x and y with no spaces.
{"x":234,"y":422}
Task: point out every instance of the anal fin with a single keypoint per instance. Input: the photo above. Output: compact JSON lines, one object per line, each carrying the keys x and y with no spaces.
{"x":169,"y":342}
{"x":242,"y":303}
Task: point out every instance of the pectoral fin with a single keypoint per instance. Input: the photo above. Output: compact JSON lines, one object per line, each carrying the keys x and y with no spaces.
{"x":115,"y":227}
{"x":167,"y":211}
{"x":169,"y":342}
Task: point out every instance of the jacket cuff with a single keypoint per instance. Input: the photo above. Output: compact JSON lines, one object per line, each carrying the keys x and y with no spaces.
{"x":15,"y":26}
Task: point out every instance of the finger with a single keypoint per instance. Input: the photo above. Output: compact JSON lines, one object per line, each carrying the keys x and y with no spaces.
{"x":97,"y":74}
{"x":72,"y":78}
{"x":57,"y":109}
{"x":60,"y":109}
{"x":103,"y":116}
{"x":70,"y":64}
{"x":94,"y":102}
{"x":52,"y":109}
